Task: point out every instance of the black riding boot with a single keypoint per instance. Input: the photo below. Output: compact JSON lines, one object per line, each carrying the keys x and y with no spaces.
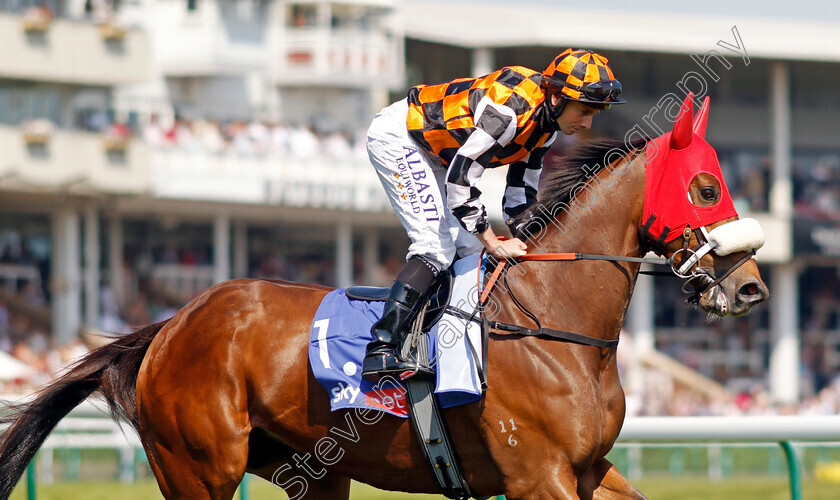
{"x":382,"y":357}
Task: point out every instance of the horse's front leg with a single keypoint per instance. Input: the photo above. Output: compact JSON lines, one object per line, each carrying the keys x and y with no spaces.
{"x":603,"y":482}
{"x":558,"y":484}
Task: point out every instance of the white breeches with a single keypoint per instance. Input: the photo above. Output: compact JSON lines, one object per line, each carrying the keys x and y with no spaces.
{"x":414,"y":183}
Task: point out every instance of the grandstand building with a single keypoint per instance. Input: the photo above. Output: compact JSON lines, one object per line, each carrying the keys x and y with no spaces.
{"x":153,"y":150}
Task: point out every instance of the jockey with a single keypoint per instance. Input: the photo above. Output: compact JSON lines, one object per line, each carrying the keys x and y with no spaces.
{"x":431,"y":148}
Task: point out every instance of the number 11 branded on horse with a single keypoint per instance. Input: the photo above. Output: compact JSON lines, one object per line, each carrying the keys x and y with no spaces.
{"x":226,"y":387}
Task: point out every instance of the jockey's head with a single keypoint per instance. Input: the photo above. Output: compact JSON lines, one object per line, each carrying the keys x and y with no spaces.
{"x":582,"y":76}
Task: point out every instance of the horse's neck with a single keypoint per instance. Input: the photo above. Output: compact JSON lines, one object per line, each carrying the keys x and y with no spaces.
{"x":588,"y":297}
{"x":605,"y":216}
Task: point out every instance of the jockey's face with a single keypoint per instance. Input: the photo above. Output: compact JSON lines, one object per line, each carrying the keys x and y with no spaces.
{"x":576,"y":116}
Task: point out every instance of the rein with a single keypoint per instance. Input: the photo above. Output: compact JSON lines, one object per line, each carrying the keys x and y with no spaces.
{"x":570,"y":257}
{"x":677,"y":271}
{"x":567,"y":336}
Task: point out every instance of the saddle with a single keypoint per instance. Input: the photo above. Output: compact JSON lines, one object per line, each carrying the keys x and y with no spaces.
{"x":425,"y":411}
{"x":433,"y":308}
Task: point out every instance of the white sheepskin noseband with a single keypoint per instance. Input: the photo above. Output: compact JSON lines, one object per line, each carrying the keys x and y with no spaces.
{"x":741,"y":235}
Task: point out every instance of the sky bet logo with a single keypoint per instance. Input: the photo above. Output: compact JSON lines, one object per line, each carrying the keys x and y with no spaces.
{"x":411,"y":181}
{"x":391,"y":399}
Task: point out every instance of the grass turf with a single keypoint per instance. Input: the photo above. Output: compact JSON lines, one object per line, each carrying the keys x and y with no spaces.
{"x":664,"y":488}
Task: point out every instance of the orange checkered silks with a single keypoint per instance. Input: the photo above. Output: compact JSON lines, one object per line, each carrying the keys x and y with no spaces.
{"x":475,"y":123}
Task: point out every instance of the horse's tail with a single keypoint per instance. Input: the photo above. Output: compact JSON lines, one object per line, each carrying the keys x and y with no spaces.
{"x":111,"y":369}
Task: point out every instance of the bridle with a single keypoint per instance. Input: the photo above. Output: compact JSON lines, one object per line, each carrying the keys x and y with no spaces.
{"x":686,"y":269}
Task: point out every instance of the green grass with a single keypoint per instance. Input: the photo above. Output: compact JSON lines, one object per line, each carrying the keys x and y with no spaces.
{"x":656,"y":488}
{"x":148,"y":490}
{"x":736,"y":488}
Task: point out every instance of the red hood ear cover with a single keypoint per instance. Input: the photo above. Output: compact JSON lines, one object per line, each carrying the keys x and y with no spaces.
{"x":674,"y":160}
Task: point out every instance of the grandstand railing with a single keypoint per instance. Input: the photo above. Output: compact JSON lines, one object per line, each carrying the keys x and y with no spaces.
{"x":11,"y":274}
{"x":276,"y":179}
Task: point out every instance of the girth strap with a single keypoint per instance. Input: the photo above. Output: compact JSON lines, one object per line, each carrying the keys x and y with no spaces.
{"x":430,"y":428}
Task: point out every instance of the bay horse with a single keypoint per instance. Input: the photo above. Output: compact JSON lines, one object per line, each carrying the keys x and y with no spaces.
{"x":224,"y":387}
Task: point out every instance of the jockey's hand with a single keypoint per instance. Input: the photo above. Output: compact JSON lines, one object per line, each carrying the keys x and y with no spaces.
{"x":502,"y":249}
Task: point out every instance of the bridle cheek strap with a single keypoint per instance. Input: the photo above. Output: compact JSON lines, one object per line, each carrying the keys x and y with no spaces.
{"x":743,"y":235}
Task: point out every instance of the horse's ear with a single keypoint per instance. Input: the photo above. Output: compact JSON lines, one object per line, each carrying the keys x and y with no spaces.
{"x":682,"y":134}
{"x":701,"y":118}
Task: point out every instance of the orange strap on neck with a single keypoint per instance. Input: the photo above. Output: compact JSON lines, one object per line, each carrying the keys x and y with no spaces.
{"x":492,"y":281}
{"x":550,"y":256}
{"x":567,"y":256}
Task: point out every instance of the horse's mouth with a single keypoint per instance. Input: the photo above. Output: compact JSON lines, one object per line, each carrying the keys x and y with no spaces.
{"x":713,"y":301}
{"x":717,"y":302}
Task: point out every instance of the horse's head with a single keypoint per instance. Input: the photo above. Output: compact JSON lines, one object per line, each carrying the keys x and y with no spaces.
{"x":690,"y":218}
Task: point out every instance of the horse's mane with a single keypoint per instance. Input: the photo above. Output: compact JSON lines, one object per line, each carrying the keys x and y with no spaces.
{"x":558,"y":187}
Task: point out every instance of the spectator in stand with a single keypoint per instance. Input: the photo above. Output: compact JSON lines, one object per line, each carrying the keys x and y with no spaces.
{"x":273,"y":266}
{"x":11,"y":247}
{"x":153,"y":132}
{"x":240,"y":142}
{"x":208,"y":135}
{"x":96,"y":121}
{"x":826,"y":203}
{"x":33,"y":294}
{"x":137,"y":314}
{"x":118,"y":131}
{"x":755,"y":186}
{"x":5,"y":340}
{"x":304,"y":142}
{"x":259,"y":136}
{"x":4,"y":318}
{"x":183,"y":135}
{"x":337,"y":146}
{"x":281,"y":139}
{"x":249,"y":138}
{"x":359,"y":145}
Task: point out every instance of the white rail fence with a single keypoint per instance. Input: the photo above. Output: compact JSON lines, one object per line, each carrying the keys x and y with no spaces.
{"x":740,"y":429}
{"x":713,"y":431}
{"x":89,"y":426}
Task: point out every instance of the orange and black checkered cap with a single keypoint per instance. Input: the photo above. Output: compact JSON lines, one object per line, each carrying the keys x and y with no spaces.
{"x":573,"y":69}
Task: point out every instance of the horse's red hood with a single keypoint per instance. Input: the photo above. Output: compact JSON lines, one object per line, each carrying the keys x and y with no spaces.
{"x":674,"y":160}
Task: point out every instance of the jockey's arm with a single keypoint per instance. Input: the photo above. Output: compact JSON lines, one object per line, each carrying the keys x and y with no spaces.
{"x":523,"y":179}
{"x":495,"y":126}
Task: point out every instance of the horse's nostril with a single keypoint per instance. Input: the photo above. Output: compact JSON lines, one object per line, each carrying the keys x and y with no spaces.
{"x":752,"y":292}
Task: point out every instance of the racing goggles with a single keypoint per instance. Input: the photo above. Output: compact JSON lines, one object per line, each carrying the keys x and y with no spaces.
{"x":598,"y":91}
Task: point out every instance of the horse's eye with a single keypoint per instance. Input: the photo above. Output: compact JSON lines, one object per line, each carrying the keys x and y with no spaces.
{"x":709,"y":193}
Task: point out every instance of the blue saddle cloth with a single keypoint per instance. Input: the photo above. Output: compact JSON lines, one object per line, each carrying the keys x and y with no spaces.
{"x":340,"y":333}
